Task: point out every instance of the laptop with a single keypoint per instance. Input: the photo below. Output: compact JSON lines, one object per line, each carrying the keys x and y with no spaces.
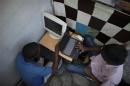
{"x":67,"y":46}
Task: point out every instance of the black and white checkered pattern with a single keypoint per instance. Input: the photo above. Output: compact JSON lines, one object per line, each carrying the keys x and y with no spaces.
{"x":110,"y":26}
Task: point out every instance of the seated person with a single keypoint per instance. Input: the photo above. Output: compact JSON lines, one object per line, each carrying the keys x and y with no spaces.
{"x":106,"y":67}
{"x":31,"y":72}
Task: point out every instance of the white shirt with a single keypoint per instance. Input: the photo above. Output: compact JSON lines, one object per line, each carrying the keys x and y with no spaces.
{"x":109,"y":75}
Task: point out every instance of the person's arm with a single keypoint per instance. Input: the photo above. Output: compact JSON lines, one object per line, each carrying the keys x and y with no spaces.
{"x":89,"y":74}
{"x":80,"y":47}
{"x":43,"y":71}
{"x":114,"y":79}
{"x":108,"y":83}
{"x":46,"y":71}
{"x":97,"y":48}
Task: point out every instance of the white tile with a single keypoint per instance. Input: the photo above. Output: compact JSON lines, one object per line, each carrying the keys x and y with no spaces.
{"x":83,"y":18}
{"x":109,"y":2}
{"x":59,"y":9}
{"x":110,"y":29}
{"x":102,"y":12}
{"x":71,"y":23}
{"x":127,"y":27}
{"x":71,"y":3}
{"x":113,"y":41}
{"x":104,"y":7}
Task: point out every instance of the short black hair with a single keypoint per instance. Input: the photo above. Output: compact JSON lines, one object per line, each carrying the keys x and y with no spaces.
{"x":31,"y":51}
{"x":114,"y":54}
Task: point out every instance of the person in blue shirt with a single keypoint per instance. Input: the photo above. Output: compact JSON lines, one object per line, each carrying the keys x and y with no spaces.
{"x":30,"y":71}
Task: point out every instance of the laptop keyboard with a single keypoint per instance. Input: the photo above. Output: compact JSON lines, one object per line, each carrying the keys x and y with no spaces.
{"x":70,"y":49}
{"x":75,"y":53}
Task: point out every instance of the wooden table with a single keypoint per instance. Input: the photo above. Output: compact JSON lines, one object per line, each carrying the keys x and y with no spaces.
{"x":52,"y":44}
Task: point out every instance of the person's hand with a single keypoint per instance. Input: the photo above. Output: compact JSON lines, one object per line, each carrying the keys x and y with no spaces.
{"x":77,"y":61}
{"x":79,"y":46}
{"x":88,"y":72}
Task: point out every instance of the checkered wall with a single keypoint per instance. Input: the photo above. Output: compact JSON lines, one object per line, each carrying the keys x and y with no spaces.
{"x":106,"y":24}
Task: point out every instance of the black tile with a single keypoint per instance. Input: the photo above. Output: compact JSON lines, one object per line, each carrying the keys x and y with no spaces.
{"x":70,"y":29}
{"x":119,"y":19}
{"x":96,"y":23}
{"x":86,"y":6}
{"x":102,"y":37}
{"x":62,"y":1}
{"x":62,"y":18}
{"x":71,"y":12}
{"x":123,"y":36}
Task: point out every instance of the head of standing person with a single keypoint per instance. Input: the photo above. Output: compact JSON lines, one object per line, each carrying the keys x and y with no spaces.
{"x":31,"y":52}
{"x":114,"y":54}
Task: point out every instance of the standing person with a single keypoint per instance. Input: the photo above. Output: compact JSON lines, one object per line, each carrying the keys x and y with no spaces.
{"x":27,"y":65}
{"x":106,"y":67}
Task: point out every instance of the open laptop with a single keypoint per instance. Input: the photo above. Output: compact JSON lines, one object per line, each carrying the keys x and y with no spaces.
{"x":67,"y":46}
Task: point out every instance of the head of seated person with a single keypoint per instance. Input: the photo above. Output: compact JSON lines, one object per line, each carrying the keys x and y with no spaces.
{"x":31,"y":52}
{"x":114,"y":54}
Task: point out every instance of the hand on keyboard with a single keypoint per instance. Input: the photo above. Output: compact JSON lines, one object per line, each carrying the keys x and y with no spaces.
{"x":79,"y":46}
{"x":78,"y":37}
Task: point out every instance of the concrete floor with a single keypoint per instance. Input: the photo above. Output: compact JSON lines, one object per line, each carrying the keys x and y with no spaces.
{"x":70,"y":79}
